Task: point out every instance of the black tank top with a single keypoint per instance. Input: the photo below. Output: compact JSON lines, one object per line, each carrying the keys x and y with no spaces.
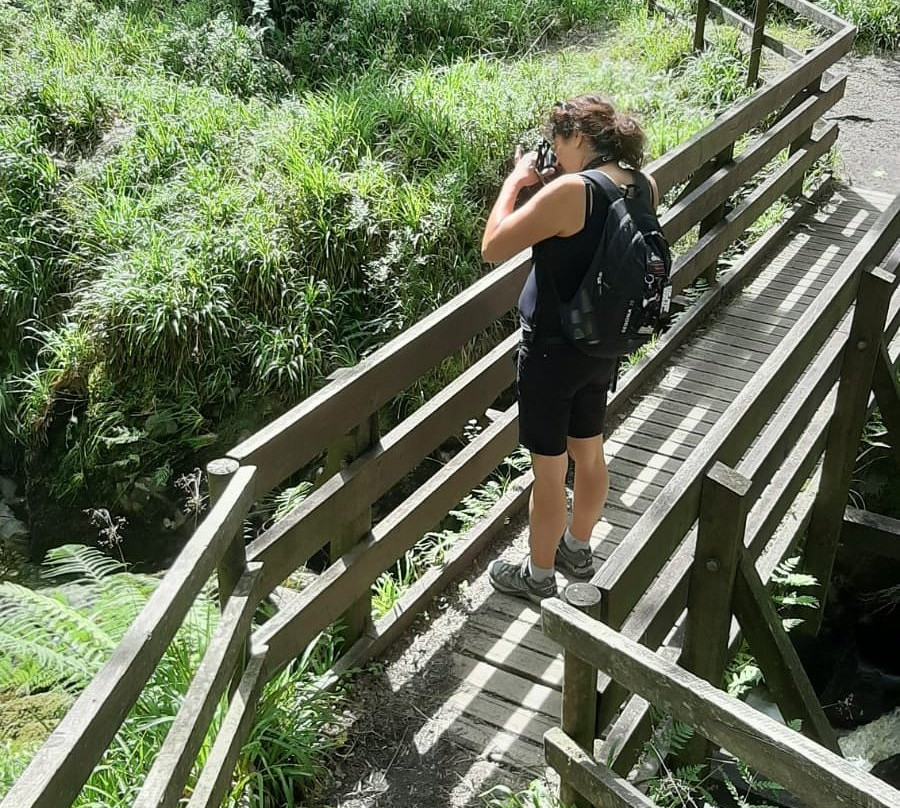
{"x":568,"y":258}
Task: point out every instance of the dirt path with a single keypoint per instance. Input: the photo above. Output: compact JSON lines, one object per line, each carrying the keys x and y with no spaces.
{"x":869,"y":120}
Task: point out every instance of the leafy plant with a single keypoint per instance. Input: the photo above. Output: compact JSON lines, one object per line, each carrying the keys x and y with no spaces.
{"x":55,"y":638}
{"x":535,"y":795}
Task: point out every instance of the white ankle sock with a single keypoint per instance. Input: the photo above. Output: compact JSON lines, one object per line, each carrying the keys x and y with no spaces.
{"x":572,"y":543}
{"x":539,"y":574}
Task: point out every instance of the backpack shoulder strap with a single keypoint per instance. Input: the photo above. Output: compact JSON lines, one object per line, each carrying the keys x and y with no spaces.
{"x":606,"y":184}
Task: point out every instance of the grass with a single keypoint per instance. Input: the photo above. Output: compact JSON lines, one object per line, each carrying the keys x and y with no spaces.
{"x":194,"y":234}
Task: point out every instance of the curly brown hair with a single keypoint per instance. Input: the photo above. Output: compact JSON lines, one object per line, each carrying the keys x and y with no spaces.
{"x":614,"y":135}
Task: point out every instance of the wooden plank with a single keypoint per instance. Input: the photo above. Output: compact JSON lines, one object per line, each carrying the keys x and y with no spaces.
{"x":458,"y":561}
{"x":747,"y":343}
{"x":290,"y":542}
{"x":865,"y":532}
{"x":665,"y":446}
{"x":526,"y":633}
{"x":290,"y":441}
{"x":706,"y":345}
{"x":505,"y":655}
{"x":678,"y":163}
{"x":641,"y":457}
{"x":165,"y":782}
{"x":497,"y":745}
{"x":850,"y":408}
{"x":776,"y":657}
{"x":719,"y":365}
{"x":696,"y":389}
{"x":687,"y":408}
{"x":732,"y":327}
{"x":798,"y":764}
{"x":291,"y":630}
{"x":765,"y":317}
{"x":488,"y":709}
{"x":215,"y":779}
{"x":233,"y":562}
{"x":595,"y":782}
{"x":63,"y":764}
{"x":759,"y":25}
{"x":713,"y":243}
{"x":658,"y":427}
{"x":508,"y":686}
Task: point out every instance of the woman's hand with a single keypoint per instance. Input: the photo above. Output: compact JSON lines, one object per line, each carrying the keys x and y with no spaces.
{"x":525,"y":173}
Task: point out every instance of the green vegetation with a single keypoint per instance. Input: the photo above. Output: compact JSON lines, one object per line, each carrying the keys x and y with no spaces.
{"x":878,"y":21}
{"x":54,"y":639}
{"x":198,"y":224}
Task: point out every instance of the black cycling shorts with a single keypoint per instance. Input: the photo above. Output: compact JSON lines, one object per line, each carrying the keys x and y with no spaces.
{"x":562,"y":393}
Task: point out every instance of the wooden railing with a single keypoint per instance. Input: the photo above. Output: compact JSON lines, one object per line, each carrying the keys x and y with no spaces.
{"x":781,"y":754}
{"x":340,"y":424}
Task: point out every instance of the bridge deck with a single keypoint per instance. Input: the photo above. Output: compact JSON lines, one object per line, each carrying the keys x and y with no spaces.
{"x":502,"y":682}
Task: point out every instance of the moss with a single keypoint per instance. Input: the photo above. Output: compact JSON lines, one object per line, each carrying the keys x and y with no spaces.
{"x":29,"y":719}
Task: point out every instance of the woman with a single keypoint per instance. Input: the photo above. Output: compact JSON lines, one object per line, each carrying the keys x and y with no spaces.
{"x":562,"y":392}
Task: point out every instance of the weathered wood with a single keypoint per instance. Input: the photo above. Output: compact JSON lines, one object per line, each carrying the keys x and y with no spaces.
{"x":680,"y":162}
{"x":349,"y":531}
{"x":541,"y":668}
{"x":420,"y":594}
{"x":593,"y":782}
{"x":238,"y":722}
{"x":172,"y":767}
{"x":817,"y":14}
{"x":290,"y":542}
{"x":759,"y":27}
{"x":233,"y":563}
{"x":865,"y":532}
{"x":289,"y":442}
{"x":733,"y":172}
{"x":633,"y":565}
{"x":689,"y":266}
{"x":800,"y":765}
{"x":579,"y":690}
{"x":288,"y":632}
{"x":724,"y":14}
{"x":887,"y":393}
{"x":700,"y":25}
{"x":63,"y":764}
{"x":858,"y":363}
{"x":776,"y":657}
{"x":720,"y":539}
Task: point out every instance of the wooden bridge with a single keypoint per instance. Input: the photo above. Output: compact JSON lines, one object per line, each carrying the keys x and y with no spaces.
{"x":729,"y":443}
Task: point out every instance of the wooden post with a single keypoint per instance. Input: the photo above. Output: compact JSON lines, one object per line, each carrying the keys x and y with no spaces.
{"x":887,"y":394}
{"x":716,"y":216}
{"x":579,"y":691}
{"x":720,"y":542}
{"x":700,"y":27}
{"x":759,"y":28}
{"x":797,"y":188}
{"x":347,"y":534}
{"x":233,"y":563}
{"x":777,"y":659}
{"x":846,"y":428}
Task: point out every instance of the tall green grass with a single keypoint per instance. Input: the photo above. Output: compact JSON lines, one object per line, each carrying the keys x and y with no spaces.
{"x":192,"y":236}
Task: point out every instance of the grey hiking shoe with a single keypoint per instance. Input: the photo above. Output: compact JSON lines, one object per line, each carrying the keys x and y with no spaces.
{"x":513,"y":579}
{"x":577,"y":563}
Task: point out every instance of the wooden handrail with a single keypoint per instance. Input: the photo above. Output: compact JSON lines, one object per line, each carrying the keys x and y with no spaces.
{"x":800,"y":765}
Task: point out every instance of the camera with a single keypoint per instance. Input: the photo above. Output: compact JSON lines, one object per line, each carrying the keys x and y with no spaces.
{"x":546,"y":157}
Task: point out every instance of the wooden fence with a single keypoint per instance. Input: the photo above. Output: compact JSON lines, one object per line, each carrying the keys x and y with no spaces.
{"x":340,"y":424}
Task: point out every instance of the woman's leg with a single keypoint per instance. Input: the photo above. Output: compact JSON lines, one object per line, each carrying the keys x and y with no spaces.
{"x":591,"y":484}
{"x":547,"y":507}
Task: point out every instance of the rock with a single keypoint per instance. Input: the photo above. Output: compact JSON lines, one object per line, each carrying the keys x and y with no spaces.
{"x":12,"y":531}
{"x":8,"y":490}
